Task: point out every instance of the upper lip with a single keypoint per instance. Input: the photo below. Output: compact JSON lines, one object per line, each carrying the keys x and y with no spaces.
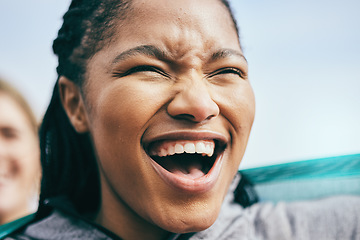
{"x":221,"y":139}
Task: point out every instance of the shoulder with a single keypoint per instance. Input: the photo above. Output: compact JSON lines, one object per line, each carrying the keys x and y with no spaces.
{"x":60,"y":226}
{"x":335,"y":217}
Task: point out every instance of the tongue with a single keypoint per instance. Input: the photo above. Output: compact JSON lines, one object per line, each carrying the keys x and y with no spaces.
{"x":195,"y":171}
{"x":192,"y":169}
{"x":192,"y":172}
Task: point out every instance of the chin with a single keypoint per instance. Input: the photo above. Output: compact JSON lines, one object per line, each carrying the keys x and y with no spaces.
{"x":196,"y":217}
{"x":190,"y":224}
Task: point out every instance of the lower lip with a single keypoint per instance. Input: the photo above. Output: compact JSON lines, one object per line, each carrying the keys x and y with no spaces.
{"x":188,"y":185}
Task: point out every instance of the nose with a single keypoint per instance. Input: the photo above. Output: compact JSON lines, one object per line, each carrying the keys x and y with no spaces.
{"x":193,"y":103}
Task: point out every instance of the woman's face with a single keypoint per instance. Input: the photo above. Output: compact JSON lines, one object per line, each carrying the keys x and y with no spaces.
{"x":169,"y":108}
{"x":19,"y":161}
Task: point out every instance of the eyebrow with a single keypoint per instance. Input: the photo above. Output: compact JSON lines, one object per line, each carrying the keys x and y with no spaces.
{"x":224,"y":53}
{"x":148,"y":50}
{"x":152,"y":51}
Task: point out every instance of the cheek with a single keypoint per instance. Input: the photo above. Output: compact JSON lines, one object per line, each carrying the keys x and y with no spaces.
{"x":29,"y":163}
{"x":242,"y":115}
{"x":118,"y":118}
{"x":23,"y":156}
{"x":237,"y":105}
{"x":120,"y":112}
{"x":22,"y":168}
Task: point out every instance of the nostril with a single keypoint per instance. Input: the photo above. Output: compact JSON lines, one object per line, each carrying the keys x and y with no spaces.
{"x":184,"y":117}
{"x":210,"y":117}
{"x":192,"y":118}
{"x":193,"y":104}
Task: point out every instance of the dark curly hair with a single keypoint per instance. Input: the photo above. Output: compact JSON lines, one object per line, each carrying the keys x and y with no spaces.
{"x":68,"y":158}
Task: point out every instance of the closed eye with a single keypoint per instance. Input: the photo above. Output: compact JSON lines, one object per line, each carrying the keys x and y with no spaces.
{"x":228,"y":70}
{"x":139,"y":69}
{"x":9,"y":133}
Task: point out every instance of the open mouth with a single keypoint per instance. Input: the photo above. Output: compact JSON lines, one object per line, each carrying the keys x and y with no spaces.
{"x":192,"y":159}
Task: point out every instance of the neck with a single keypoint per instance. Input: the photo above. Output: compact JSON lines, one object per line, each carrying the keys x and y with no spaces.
{"x":118,"y":217}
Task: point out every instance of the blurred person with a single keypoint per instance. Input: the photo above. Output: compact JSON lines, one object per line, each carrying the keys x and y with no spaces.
{"x":19,"y":156}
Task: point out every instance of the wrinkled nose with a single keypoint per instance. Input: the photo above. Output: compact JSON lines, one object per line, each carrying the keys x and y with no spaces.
{"x":193,"y":103}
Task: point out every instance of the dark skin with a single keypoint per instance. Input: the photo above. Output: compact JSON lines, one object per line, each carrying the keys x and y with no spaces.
{"x":179,"y":79}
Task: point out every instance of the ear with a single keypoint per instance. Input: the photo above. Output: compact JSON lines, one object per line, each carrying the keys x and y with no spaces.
{"x":73,"y":103}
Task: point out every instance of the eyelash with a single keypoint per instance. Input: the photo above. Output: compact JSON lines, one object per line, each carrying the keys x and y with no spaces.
{"x":146,"y":68}
{"x":228,"y":70}
{"x":142,"y":68}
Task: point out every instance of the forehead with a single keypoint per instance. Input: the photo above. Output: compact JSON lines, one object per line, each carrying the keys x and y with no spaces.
{"x":10,"y":112}
{"x":178,"y":26}
{"x":184,"y":11}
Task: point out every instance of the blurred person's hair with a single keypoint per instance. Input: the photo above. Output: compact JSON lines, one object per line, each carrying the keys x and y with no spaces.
{"x":7,"y":89}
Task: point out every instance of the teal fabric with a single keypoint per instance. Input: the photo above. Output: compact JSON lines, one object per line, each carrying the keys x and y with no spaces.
{"x":305,"y":180}
{"x":10,"y":227}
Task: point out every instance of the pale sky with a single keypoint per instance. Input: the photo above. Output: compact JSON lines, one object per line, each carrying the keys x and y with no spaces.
{"x":304,"y":61}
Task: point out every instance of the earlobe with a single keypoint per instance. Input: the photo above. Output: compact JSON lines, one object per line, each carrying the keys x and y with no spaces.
{"x":73,"y":103}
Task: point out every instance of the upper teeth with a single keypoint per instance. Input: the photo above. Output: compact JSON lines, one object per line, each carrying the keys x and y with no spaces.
{"x":171,"y":148}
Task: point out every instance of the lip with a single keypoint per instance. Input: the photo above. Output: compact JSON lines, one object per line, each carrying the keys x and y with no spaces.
{"x":182,"y":183}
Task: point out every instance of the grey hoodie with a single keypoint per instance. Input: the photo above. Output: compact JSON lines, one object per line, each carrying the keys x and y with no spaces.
{"x":324,"y":219}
